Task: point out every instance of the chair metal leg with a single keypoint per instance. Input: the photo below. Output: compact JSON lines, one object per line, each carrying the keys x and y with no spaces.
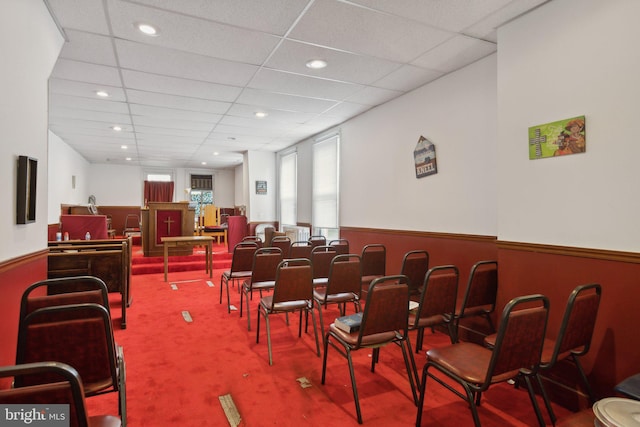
{"x":547,"y":402}
{"x":410,"y":364}
{"x":585,"y":380}
{"x":324,"y":358}
{"x":414,"y":369}
{"x":315,"y":330}
{"x":423,"y":387}
{"x":534,"y":402}
{"x":354,"y":387}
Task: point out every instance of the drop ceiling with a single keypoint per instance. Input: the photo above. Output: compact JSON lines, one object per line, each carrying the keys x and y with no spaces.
{"x":187,"y":97}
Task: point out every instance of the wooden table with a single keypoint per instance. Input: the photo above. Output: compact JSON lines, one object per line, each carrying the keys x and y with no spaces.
{"x":206,"y":241}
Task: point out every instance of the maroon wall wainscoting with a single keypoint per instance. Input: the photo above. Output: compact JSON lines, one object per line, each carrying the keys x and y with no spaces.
{"x":15,"y":276}
{"x":553,"y":271}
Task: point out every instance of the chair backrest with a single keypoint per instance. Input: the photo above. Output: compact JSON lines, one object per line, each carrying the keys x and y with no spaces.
{"x":439,"y":292}
{"x":257,"y":240}
{"x":211,"y":216}
{"x":242,"y":258}
{"x":317,"y":241}
{"x":578,"y":322}
{"x":265,"y":264}
{"x":294,"y":281}
{"x":300,"y":249}
{"x":64,"y":291}
{"x":386,"y":309}
{"x":132,"y":222}
{"x":80,"y":335}
{"x":282,"y":242}
{"x":345,"y":275}
{"x":519,"y":338}
{"x":341,"y":245}
{"x":374,"y":260}
{"x":415,"y":265}
{"x":66,"y":389}
{"x":321,"y":257}
{"x":482,"y":289}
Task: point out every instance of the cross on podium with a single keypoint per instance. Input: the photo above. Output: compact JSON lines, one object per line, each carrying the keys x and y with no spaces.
{"x":169,"y":221}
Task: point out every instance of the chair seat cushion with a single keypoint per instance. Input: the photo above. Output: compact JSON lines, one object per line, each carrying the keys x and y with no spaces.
{"x":320,"y":295}
{"x":425,"y":322}
{"x":466,"y":360}
{"x":367,"y":340}
{"x":259,"y":286}
{"x":104,"y":421}
{"x":267,"y":303}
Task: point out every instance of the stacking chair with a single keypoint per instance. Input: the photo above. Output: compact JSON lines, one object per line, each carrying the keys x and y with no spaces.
{"x":66,"y":388}
{"x":341,"y":245}
{"x":321,"y":257}
{"x":131,"y":225}
{"x":574,"y":337}
{"x":374,"y":263}
{"x":293,"y":291}
{"x":437,"y":302}
{"x":415,"y":265}
{"x":64,"y":291}
{"x":282,"y":242}
{"x":257,"y":240}
{"x":517,"y":352}
{"x":300,"y":249}
{"x":241,"y":264}
{"x":79,"y":335}
{"x":317,"y":241}
{"x":480,"y":295}
{"x":263,"y":276}
{"x":384,"y":321}
{"x":344,"y":285}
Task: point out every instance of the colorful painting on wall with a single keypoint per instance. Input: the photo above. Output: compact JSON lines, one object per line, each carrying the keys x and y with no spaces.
{"x":424,"y":156}
{"x":558,"y":138}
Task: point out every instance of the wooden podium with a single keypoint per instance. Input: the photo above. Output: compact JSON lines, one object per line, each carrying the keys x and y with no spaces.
{"x":160,"y":220}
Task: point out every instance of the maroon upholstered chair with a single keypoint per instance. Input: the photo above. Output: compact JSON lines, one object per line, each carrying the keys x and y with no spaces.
{"x":415,"y":265}
{"x":321,"y":257}
{"x":66,"y":388}
{"x":263,"y":276}
{"x":300,"y":249}
{"x":374,"y":263}
{"x":516,"y":353}
{"x":573,"y":339}
{"x":480,"y":295}
{"x":241,"y":264}
{"x":317,"y":240}
{"x":79,"y":335}
{"x":292,"y":292}
{"x":344,"y":285}
{"x":384,"y":321}
{"x":341,"y":245}
{"x":437,"y":302}
{"x":282,"y":242}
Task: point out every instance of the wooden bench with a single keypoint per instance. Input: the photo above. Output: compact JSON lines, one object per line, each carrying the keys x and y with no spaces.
{"x":107,"y":259}
{"x":177,"y":241}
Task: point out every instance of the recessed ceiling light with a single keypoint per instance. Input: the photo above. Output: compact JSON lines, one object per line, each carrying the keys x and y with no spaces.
{"x":316,"y":64}
{"x":261,"y":114}
{"x":147,"y":29}
{"x":116,"y":128}
{"x":128,"y":159}
{"x":124,"y":147}
{"x":102,"y":93}
{"x":215,"y":153}
{"x":203,"y":163}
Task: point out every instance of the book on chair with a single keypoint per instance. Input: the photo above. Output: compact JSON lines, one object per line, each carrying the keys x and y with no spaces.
{"x":350,"y":323}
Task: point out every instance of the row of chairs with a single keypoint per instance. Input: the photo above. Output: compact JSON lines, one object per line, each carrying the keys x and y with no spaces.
{"x":64,"y":334}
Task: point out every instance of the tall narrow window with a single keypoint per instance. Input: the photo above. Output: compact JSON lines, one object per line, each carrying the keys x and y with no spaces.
{"x":288,"y":189}
{"x":325,"y":187}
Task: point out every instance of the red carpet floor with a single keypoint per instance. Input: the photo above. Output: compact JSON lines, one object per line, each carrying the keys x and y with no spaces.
{"x":176,"y":370}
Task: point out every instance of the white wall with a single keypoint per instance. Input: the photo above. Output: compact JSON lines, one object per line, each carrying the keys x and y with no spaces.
{"x":262,"y":167}
{"x":566,"y":59}
{"x":23,"y":115}
{"x":64,"y":164}
{"x":378,"y":185}
{"x":116,"y":185}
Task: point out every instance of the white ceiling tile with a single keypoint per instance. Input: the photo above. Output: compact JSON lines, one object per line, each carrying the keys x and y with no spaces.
{"x":146,"y":132}
{"x":347,"y":109}
{"x":407,"y":77}
{"x":295,"y":84}
{"x":486,"y":28}
{"x":86,"y":15}
{"x":68,"y":101}
{"x":98,"y":116}
{"x":83,"y":72}
{"x":174,"y":114}
{"x":175,"y":63}
{"x":283,"y":101}
{"x":164,"y":123}
{"x":361,"y":30}
{"x":88,"y":47}
{"x":293,"y":56}
{"x":274,"y":115}
{"x":87,"y":90}
{"x":177,"y":102}
{"x":373,"y":96}
{"x":190,"y":34}
{"x":270,"y":16}
{"x":455,"y":53}
{"x":176,"y":86}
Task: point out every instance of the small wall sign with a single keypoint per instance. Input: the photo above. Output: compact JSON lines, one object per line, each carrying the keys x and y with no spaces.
{"x":425,"y":158}
{"x":261,"y":187}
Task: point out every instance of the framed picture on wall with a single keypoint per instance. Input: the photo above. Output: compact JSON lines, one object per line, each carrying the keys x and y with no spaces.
{"x":559,"y":138}
{"x":261,"y":187}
